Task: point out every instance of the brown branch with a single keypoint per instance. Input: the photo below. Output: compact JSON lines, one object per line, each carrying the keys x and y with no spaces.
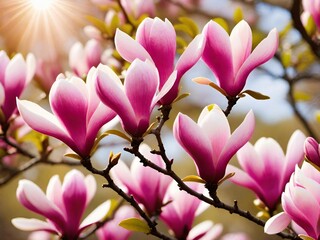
{"x":130,"y":199}
{"x":295,"y":15}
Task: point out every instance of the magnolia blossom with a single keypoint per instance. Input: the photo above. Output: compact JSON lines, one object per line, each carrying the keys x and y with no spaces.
{"x":313,"y":8}
{"x":146,"y":185}
{"x":77,"y":114}
{"x":230,"y":57}
{"x":181,"y":210}
{"x":63,"y":205}
{"x":266,"y":169}
{"x":156,"y":41}
{"x":312,"y":151}
{"x":81,"y":59}
{"x":111,"y":229}
{"x":47,"y":72}
{"x":301,"y":204}
{"x":209,"y":142}
{"x":139,"y":7}
{"x":15,"y":74}
{"x":135,"y":100}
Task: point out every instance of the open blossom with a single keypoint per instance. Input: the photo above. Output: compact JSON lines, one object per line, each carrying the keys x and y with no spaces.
{"x":63,"y":205}
{"x":146,"y":185}
{"x":77,"y":116}
{"x":111,"y":229}
{"x":81,"y":59}
{"x":209,"y":141}
{"x":265,"y":161}
{"x":300,"y":203}
{"x":181,"y":210}
{"x":156,"y":41}
{"x":313,"y":8}
{"x":135,"y":100}
{"x":312,"y":151}
{"x":230,"y":57}
{"x":15,"y":74}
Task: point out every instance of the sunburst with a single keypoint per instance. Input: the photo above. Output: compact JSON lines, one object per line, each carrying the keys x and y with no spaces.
{"x":45,"y":27}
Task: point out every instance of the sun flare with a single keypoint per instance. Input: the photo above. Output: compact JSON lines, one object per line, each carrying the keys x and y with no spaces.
{"x":44,"y":27}
{"x":42,"y":5}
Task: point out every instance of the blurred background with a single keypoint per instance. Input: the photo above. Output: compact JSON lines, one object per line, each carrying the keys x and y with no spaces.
{"x":49,"y":31}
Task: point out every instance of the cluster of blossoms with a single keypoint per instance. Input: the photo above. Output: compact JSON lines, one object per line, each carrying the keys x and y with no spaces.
{"x":80,"y":108}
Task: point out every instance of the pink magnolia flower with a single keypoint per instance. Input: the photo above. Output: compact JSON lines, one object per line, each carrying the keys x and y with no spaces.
{"x":81,"y":59}
{"x":312,"y":151}
{"x":47,"y":72}
{"x":209,"y":142}
{"x":135,"y":100}
{"x":266,"y":169}
{"x":235,"y":236}
{"x":146,"y":185}
{"x":300,"y":202}
{"x":15,"y":74}
{"x":137,"y":8}
{"x":77,"y":114}
{"x":181,"y":210}
{"x":111,"y":229}
{"x":156,"y":41}
{"x":63,"y":205}
{"x":230,"y":57}
{"x":313,"y":7}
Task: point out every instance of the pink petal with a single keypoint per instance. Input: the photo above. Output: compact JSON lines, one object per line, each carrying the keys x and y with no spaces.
{"x":2,"y":95}
{"x":241,"y":44}
{"x":277,"y":223}
{"x":219,"y":59}
{"x":31,"y":67}
{"x":159,"y":39}
{"x":238,"y":138}
{"x":205,"y":230}
{"x":68,"y":100}
{"x":91,"y":186}
{"x":4,"y":60}
{"x":43,"y":121}
{"x":196,"y":145}
{"x":294,"y":154}
{"x":54,"y":193}
{"x":167,"y":93}
{"x":141,"y":74}
{"x":312,"y":150}
{"x":96,"y":215}
{"x":93,"y":51}
{"x":32,"y":224}
{"x":128,"y":48}
{"x":216,"y":126}
{"x":32,"y":197}
{"x":77,"y":59}
{"x":111,"y":93}
{"x":74,"y":195}
{"x":14,"y":83}
{"x":261,"y":54}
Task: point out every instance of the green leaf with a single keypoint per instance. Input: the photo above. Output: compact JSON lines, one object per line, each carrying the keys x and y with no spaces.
{"x":181,"y":96}
{"x":135,"y":224}
{"x":98,"y":23}
{"x":226,"y":177}
{"x":318,"y":116}
{"x":193,"y":178}
{"x":73,"y":155}
{"x":286,"y":58}
{"x":237,"y":15}
{"x":223,"y":23}
{"x":114,"y":24}
{"x":301,"y":96}
{"x":181,"y":42}
{"x":114,"y":205}
{"x":191,"y":25}
{"x":34,"y":137}
{"x":305,"y":237}
{"x":183,"y":28}
{"x":206,"y":81}
{"x":310,"y":26}
{"x":255,"y":95}
{"x":119,"y":134}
